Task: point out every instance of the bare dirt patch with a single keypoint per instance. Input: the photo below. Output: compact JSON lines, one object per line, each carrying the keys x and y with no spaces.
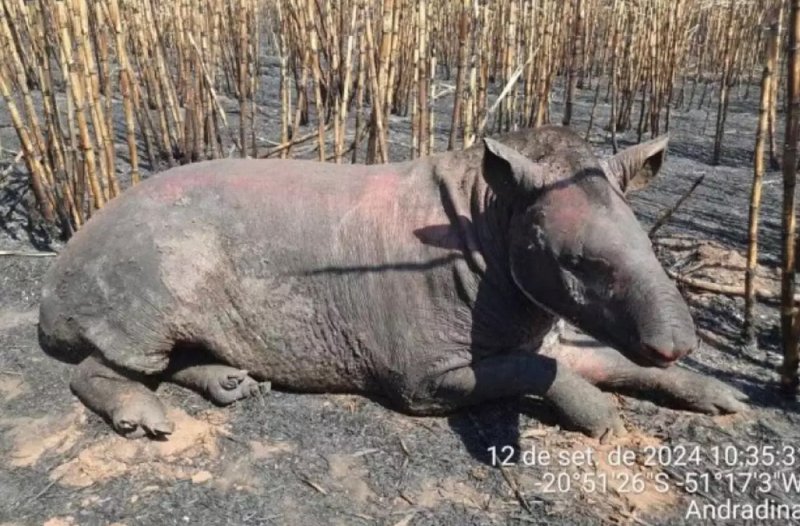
{"x":239,"y":475}
{"x":33,"y":438}
{"x":350,"y":475}
{"x":11,"y":386}
{"x":350,"y":403}
{"x":12,"y":318}
{"x":195,"y":438}
{"x":260,"y":449}
{"x":194,"y":441}
{"x":432,"y":492}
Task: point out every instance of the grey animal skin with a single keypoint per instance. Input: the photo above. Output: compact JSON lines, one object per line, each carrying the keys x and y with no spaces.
{"x":434,"y":284}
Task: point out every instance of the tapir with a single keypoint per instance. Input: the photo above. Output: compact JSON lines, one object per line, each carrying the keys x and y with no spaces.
{"x":432,"y":284}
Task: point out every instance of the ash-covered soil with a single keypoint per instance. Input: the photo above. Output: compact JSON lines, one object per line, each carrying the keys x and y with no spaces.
{"x":294,"y":459}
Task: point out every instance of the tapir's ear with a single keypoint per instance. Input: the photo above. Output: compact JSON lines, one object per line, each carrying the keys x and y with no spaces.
{"x":509,"y":173}
{"x":634,"y":167}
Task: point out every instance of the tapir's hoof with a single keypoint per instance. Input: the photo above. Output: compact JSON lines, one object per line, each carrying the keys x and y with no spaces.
{"x":132,"y":409}
{"x":142,"y":416}
{"x":700,"y":393}
{"x":585,"y":408}
{"x":231,"y":385}
{"x":601,"y":421}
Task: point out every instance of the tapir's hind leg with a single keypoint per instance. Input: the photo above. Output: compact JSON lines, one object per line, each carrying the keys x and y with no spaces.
{"x":219,"y":383}
{"x":120,"y":397}
{"x":610,"y":370}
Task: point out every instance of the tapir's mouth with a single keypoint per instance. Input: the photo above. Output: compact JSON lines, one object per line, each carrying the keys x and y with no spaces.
{"x":641,"y":353}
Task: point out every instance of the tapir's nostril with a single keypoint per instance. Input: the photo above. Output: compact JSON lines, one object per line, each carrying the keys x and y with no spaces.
{"x":658,"y":355}
{"x":666,"y":349}
{"x":666,"y":330}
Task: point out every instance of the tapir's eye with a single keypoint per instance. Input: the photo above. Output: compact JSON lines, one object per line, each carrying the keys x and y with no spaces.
{"x":573,"y":262}
{"x":594,"y":274}
{"x":587,"y":267}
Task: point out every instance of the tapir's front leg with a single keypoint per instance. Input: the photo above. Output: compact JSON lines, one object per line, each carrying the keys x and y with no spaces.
{"x":610,"y":370}
{"x":583,"y":406}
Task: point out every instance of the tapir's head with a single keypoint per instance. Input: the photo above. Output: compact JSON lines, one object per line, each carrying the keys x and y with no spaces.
{"x":577,"y":250}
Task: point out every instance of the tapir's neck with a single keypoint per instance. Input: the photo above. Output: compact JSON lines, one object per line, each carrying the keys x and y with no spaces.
{"x":482,"y":223}
{"x":480,"y":219}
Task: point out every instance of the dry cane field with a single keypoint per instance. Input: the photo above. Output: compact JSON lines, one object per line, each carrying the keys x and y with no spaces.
{"x":97,"y":96}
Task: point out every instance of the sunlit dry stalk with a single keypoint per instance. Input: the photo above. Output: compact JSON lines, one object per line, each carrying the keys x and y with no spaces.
{"x":461,"y":76}
{"x":376,"y":120}
{"x":76,"y":85}
{"x":103,"y":136}
{"x":431,"y":98}
{"x":164,"y":84}
{"x":772,"y":112}
{"x":126,"y":88}
{"x":286,"y":102}
{"x":395,"y":62}
{"x":316,"y":75}
{"x":343,"y":103}
{"x":242,"y":60}
{"x":790,"y":316}
{"x":528,"y":50}
{"x":333,"y":76}
{"x":13,"y":49}
{"x":385,"y":54}
{"x":507,"y":110}
{"x":767,"y":78}
{"x":361,"y":84}
{"x":470,"y":97}
{"x":423,"y":81}
{"x":302,"y":96}
{"x":32,"y":157}
{"x":575,"y":59}
{"x":66,"y":203}
{"x":415,"y":99}
{"x":19,"y":23}
{"x":613,"y":81}
{"x":381,"y":93}
{"x":483,"y":67}
{"x":254,"y":29}
{"x":724,"y":84}
{"x":541,"y":111}
{"x":143,"y":47}
{"x":99,"y":31}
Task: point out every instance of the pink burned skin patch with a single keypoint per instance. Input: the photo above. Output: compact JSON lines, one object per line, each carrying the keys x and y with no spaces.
{"x":173,"y":189}
{"x":567,"y":209}
{"x":379,"y":194}
{"x":255,"y":183}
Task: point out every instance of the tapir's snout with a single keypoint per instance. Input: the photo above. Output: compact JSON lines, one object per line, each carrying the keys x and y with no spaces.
{"x":662,"y":320}
{"x":672,"y":343}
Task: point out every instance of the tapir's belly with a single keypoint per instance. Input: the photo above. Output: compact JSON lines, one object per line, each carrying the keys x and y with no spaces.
{"x":280,"y":330}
